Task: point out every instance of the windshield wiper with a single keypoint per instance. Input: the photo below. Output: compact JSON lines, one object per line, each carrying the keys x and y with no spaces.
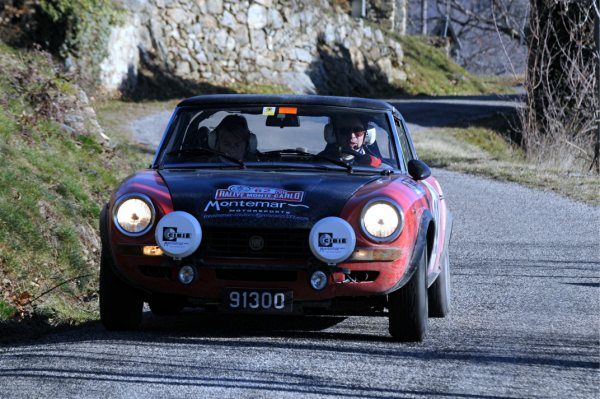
{"x":293,"y":151}
{"x":204,"y":150}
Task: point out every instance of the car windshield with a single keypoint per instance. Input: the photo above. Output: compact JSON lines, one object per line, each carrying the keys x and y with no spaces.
{"x":280,"y":136}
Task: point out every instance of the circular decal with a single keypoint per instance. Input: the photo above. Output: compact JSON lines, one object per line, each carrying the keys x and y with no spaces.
{"x":178,"y":234}
{"x":332,"y":240}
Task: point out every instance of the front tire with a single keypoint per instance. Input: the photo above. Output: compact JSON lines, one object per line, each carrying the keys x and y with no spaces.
{"x":120,"y":305}
{"x":408,"y":306}
{"x":439,"y":291}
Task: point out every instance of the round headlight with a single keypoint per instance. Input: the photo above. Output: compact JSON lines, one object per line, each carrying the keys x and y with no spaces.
{"x":134,"y":214}
{"x":382,"y":220}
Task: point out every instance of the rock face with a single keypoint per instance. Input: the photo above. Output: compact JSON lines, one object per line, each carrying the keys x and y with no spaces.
{"x":307,"y":45}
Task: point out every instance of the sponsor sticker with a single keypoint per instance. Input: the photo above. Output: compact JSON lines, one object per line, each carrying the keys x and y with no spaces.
{"x":269,"y":111}
{"x":288,"y":110}
{"x":171,"y":234}
{"x":259,"y":193}
{"x":326,"y":240}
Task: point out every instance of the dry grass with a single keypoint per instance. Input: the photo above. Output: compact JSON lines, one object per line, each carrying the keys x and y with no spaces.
{"x":484,"y":152}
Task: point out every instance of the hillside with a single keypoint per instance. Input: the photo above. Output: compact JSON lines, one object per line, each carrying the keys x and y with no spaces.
{"x":56,"y":169}
{"x":431,"y":72}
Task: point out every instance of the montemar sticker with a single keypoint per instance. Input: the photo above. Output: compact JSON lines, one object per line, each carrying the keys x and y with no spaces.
{"x":259,"y":193}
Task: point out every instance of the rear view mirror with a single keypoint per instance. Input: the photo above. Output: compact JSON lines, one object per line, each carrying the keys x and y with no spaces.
{"x":418,"y":169}
{"x":283,"y":120}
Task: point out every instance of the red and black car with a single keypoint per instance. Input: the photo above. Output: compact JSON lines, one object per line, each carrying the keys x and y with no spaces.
{"x":283,"y":205}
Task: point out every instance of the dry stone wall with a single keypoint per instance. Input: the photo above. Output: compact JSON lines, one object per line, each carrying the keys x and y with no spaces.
{"x":308,"y":46}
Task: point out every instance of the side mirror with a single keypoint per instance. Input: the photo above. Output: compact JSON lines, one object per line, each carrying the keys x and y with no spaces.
{"x":418,"y":169}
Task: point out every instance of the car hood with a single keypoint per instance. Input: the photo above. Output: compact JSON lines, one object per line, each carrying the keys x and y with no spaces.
{"x":261,"y":199}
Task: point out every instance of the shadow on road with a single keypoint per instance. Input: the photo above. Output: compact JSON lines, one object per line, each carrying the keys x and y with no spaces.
{"x":221,"y":352}
{"x":308,"y":333}
{"x":270,"y":383}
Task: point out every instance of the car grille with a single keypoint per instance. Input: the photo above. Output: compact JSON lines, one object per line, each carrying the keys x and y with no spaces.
{"x":253,"y":243}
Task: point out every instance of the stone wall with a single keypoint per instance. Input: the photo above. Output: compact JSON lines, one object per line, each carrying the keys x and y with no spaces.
{"x":293,"y":43}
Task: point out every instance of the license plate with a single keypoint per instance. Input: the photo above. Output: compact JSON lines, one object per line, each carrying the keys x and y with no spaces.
{"x":257,"y":301}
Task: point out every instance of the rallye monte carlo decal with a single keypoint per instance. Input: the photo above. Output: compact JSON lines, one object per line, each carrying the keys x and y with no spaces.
{"x":259,"y":193}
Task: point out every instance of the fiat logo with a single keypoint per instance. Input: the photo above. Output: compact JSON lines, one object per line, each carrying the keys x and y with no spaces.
{"x":256,"y":243}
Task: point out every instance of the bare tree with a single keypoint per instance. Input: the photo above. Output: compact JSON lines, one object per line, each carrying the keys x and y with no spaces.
{"x":504,"y":16}
{"x":481,"y":50}
{"x":562,"y":84}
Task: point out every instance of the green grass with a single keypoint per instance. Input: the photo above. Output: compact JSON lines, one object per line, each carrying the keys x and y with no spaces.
{"x":6,"y":311}
{"x":431,"y":72}
{"x":483,"y":151}
{"x":52,"y":186}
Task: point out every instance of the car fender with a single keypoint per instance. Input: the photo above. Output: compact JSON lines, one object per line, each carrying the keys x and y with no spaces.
{"x":419,"y":246}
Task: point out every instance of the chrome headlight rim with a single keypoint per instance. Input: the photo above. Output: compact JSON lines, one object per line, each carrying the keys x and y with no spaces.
{"x":399,"y":228}
{"x":139,"y":196}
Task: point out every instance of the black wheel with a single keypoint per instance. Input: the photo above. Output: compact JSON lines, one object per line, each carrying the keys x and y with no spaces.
{"x":120,"y":305}
{"x":166,"y":305}
{"x":439,"y":292}
{"x":408,"y":306}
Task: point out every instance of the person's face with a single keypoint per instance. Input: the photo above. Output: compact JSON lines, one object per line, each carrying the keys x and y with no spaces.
{"x":233,"y":145}
{"x":353,"y":137}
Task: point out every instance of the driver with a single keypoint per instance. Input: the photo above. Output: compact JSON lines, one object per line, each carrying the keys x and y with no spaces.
{"x":350,"y":136}
{"x":232,"y":137}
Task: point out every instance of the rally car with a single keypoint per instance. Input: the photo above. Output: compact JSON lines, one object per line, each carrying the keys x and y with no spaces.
{"x":280,"y":205}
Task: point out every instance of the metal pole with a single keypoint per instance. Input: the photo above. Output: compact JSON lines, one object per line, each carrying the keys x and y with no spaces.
{"x":424,"y":17}
{"x":447,"y":25}
{"x":359,"y":8}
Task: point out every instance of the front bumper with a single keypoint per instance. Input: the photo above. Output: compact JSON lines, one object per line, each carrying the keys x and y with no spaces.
{"x":358,"y":278}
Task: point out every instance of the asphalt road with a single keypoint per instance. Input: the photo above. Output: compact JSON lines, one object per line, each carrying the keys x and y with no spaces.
{"x":524,"y":323}
{"x":431,"y":112}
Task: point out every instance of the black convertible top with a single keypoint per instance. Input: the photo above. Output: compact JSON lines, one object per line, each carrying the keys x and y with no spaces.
{"x":276,"y":99}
